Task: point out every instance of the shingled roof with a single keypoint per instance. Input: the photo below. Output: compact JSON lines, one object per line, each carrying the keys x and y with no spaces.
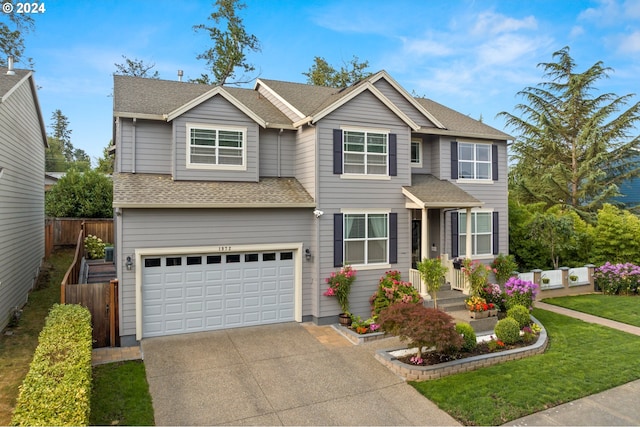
{"x":161,"y":191}
{"x":430,"y":192}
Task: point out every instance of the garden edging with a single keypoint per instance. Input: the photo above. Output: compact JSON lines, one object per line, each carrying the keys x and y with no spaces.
{"x":432,"y":372}
{"x":357,"y":338}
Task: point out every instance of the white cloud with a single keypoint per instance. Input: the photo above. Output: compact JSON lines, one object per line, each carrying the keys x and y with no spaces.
{"x":494,"y":23}
{"x":576,"y":31}
{"x":425,"y":46}
{"x":630,"y":43}
{"x":632,"y":9}
{"x":506,"y":49}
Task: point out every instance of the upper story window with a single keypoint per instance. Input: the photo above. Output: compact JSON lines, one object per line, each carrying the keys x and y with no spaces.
{"x":365,"y":152}
{"x":416,"y":152}
{"x":216,"y":147}
{"x":474,"y":161}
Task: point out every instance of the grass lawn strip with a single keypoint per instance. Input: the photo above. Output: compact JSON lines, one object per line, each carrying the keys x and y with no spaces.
{"x":121,"y":395}
{"x":581,"y":359}
{"x":625,"y":309}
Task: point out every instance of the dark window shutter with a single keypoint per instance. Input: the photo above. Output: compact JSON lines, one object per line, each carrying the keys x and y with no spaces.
{"x":455,"y":235}
{"x":454,"y":160}
{"x":337,"y":151}
{"x":494,"y":162}
{"x":337,"y":240}
{"x":393,"y":154}
{"x":393,"y":238}
{"x":496,"y":234}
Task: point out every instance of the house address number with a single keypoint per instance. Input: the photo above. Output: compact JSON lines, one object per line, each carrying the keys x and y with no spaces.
{"x":224,"y":248}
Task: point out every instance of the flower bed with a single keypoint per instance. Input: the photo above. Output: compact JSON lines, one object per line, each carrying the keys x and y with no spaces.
{"x":389,"y":358}
{"x":357,"y":338}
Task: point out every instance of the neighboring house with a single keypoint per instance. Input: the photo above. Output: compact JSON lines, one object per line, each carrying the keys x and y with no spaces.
{"x":234,"y":205}
{"x":23,"y":142}
{"x":51,"y":178}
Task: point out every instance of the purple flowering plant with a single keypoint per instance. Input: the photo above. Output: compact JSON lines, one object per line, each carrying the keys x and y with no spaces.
{"x":520,"y":292}
{"x":618,"y":278}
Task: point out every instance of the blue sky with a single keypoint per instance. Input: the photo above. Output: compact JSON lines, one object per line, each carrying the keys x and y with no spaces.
{"x":472,"y":56}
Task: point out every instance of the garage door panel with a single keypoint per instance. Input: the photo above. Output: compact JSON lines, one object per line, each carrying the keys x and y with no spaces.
{"x":207,"y":292}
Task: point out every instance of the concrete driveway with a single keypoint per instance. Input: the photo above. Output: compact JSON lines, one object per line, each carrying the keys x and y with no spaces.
{"x":277,"y":375}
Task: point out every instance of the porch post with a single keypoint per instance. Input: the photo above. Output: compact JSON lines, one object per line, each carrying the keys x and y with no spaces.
{"x":467,"y":236}
{"x":424,"y":237}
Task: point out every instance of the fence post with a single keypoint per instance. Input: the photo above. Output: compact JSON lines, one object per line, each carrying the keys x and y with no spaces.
{"x":565,"y":277}
{"x":590,"y":270}
{"x":537,"y":277}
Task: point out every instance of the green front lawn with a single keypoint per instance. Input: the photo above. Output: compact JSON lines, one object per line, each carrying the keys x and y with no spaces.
{"x":581,"y":359}
{"x":120,"y":395}
{"x":625,"y":309}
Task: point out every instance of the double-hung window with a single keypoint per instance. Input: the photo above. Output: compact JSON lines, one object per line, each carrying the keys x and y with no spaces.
{"x":215,"y":147}
{"x":481,"y":233}
{"x":366,"y":238}
{"x":365,"y":152}
{"x":474,"y":161}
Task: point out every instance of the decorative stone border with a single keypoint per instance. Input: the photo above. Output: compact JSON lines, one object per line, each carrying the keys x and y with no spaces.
{"x":357,"y":338}
{"x":432,"y":372}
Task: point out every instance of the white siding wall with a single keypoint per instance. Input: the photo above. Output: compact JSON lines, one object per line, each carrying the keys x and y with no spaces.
{"x":146,"y":228}
{"x":336,"y":193}
{"x":215,"y":111}
{"x":21,"y":199}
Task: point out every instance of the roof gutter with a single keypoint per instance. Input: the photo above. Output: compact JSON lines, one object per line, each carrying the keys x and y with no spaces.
{"x":303,"y":122}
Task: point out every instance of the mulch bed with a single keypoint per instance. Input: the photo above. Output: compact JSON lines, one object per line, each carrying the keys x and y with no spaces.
{"x":434,"y":358}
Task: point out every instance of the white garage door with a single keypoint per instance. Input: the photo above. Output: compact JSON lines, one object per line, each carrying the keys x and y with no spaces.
{"x":190,"y":293}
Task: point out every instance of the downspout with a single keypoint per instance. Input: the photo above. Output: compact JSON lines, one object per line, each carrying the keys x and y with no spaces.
{"x":133,"y":147}
{"x":279,"y":150}
{"x":316,"y":180}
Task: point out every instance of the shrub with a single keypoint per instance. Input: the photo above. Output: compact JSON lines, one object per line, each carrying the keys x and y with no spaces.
{"x":392,"y":289}
{"x":503,"y":267}
{"x":57,"y":388}
{"x":340,"y":286}
{"x":469,"y":340}
{"x":433,"y":274}
{"x":618,"y":278}
{"x":521,"y":314}
{"x":507,"y":330}
{"x":477,"y":273}
{"x":421,"y":327}
{"x":94,"y":246}
{"x":520,"y":292}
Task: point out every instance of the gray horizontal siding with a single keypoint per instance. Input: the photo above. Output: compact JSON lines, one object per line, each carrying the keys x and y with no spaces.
{"x":305,"y":161}
{"x":216,"y":111}
{"x":146,"y":228}
{"x":277,"y":153}
{"x":21,"y":199}
{"x":401,"y":102}
{"x":152,"y":146}
{"x":336,"y":193}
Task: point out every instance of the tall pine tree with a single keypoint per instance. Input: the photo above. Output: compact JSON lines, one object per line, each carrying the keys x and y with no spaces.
{"x":575,"y":147}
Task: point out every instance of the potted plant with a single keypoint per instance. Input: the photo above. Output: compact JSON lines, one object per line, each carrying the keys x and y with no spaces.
{"x":573,"y":278}
{"x":340,"y":286}
{"x":432,"y":273}
{"x":545,"y":280}
{"x":479,"y":308}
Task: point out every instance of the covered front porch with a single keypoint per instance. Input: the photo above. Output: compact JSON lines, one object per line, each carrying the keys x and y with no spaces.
{"x":428,"y":200}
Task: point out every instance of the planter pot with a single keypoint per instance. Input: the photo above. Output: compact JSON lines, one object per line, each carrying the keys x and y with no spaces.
{"x":493,"y":313}
{"x":345,"y":319}
{"x":478,"y":314}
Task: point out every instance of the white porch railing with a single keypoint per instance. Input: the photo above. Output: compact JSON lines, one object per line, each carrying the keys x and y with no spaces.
{"x":416,"y":281}
{"x":455,"y":277}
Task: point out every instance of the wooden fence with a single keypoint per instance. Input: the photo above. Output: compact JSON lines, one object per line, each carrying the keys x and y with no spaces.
{"x":100,"y":298}
{"x":64,"y":231}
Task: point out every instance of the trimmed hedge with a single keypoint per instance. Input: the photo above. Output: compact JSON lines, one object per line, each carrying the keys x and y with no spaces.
{"x":57,"y":388}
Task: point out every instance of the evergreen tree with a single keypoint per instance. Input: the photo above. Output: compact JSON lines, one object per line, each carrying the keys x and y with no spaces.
{"x":323,"y":74}
{"x":230,"y":45}
{"x":574,"y":147}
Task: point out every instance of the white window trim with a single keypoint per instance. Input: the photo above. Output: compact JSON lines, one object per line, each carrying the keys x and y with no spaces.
{"x":476,"y":256}
{"x":208,"y":126}
{"x":476,"y":180}
{"x":416,"y":164}
{"x":365,"y":175}
{"x":366,"y":212}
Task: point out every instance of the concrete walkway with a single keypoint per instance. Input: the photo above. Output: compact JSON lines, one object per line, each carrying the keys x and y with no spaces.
{"x":311,"y":396}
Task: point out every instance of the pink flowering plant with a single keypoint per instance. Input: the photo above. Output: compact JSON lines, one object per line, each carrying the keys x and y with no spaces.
{"x":520,"y":292}
{"x":492,"y":293}
{"x":618,"y":278}
{"x":340,"y":286}
{"x":503,"y":267}
{"x":392,"y":289}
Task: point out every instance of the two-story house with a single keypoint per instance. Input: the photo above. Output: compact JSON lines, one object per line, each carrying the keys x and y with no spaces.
{"x":233,"y":205}
{"x":23,"y":141}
